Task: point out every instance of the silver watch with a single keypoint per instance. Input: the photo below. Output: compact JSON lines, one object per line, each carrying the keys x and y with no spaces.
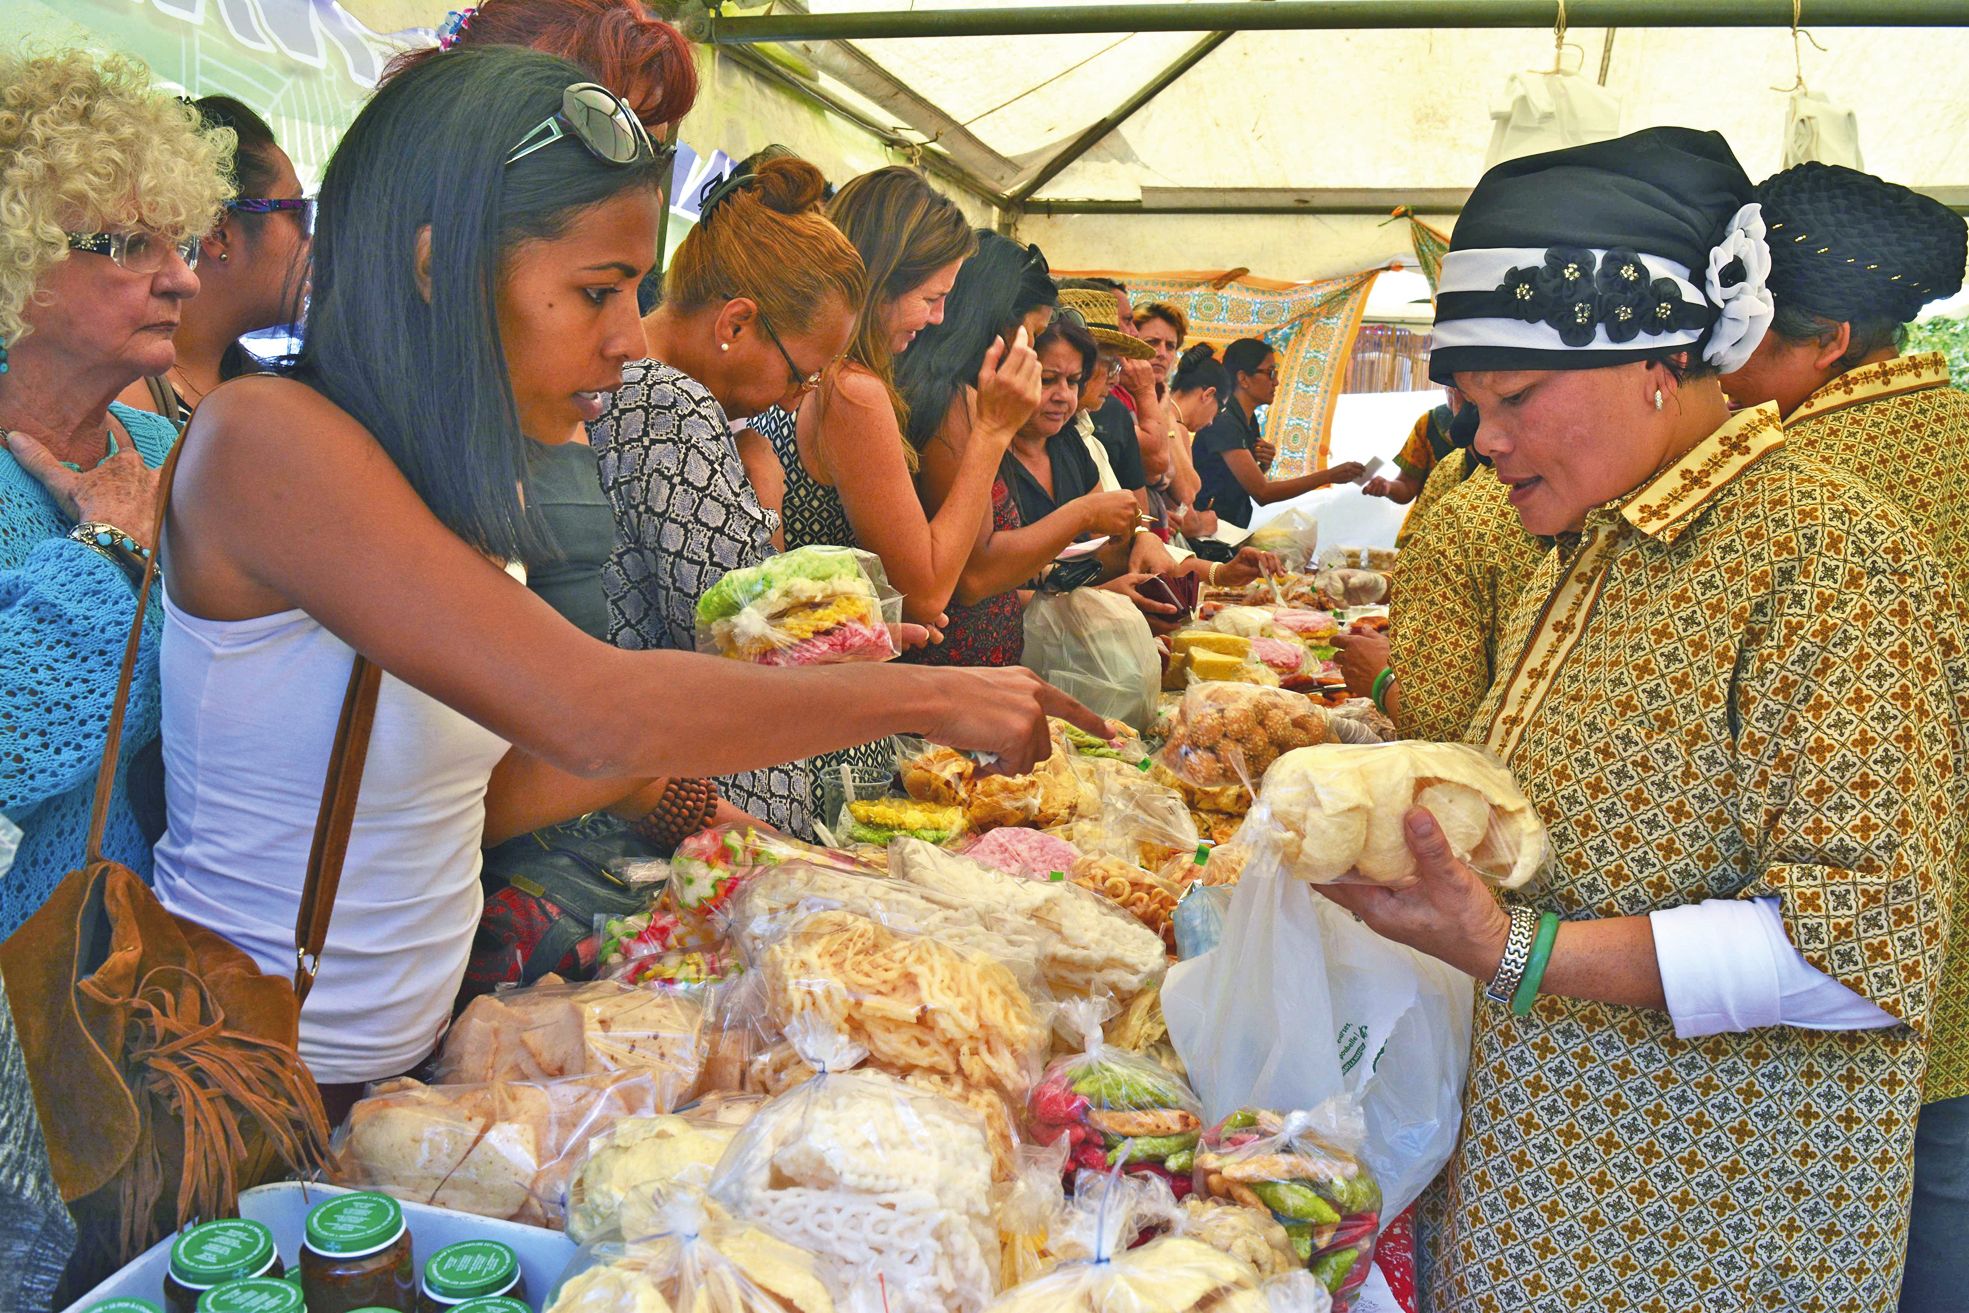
{"x":1517,"y":956}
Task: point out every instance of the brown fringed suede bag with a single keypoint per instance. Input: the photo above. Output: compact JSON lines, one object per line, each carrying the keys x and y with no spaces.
{"x":163,"y":1060}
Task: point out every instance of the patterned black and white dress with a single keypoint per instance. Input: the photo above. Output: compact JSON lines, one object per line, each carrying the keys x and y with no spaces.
{"x":685,"y":514}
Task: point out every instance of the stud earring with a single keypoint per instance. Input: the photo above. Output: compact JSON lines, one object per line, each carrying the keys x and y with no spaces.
{"x":223,"y":257}
{"x":1657,"y":398}
{"x":724,"y":346}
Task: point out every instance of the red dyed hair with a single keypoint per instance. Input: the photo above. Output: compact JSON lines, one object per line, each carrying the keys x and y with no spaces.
{"x":625,"y":47}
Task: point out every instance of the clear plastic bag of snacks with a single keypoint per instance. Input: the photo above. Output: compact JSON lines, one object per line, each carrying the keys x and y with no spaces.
{"x":1105,"y":1270}
{"x":915,"y":1002}
{"x":1126,"y":811}
{"x":610,"y":1191}
{"x":1304,"y":1169}
{"x":815,"y":606}
{"x":678,"y":1250}
{"x":886,"y":1186}
{"x":1085,"y":944}
{"x":1141,"y":893}
{"x":504,"y":1150}
{"x":1226,"y":735}
{"x":1337,"y":812}
{"x":1114,"y":1108}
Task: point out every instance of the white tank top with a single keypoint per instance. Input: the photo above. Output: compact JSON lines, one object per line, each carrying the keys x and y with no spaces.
{"x":249,"y":715}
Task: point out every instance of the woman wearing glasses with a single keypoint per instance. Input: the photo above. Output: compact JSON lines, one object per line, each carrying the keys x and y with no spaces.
{"x":252,"y":267}
{"x":95,"y":271}
{"x":758,"y":300}
{"x":92,"y":277}
{"x":1226,"y":450}
{"x":493,"y":212}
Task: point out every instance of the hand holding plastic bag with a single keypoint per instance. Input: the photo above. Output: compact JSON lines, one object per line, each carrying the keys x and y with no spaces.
{"x":1299,"y":1002}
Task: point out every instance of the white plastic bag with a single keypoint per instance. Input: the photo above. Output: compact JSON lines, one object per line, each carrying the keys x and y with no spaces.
{"x":1292,"y":967}
{"x":1095,"y":646}
{"x":1293,"y":536}
{"x":1819,"y":128}
{"x":1548,"y":110}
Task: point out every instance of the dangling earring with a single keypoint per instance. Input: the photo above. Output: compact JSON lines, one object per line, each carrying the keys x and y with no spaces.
{"x":3,"y":355}
{"x":1657,"y":398}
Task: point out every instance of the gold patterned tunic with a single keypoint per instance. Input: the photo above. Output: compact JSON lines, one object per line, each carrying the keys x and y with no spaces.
{"x":1741,"y":685}
{"x":1899,"y":426}
{"x":1455,"y":583}
{"x":1444,"y":476}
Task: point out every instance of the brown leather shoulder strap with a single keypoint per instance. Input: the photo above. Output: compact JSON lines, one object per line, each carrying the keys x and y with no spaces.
{"x":336,"y":818}
{"x":113,"y":743}
{"x":345,"y":763}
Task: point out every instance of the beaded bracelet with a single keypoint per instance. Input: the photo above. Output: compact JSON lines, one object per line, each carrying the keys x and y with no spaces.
{"x":114,"y":545}
{"x":685,"y":807}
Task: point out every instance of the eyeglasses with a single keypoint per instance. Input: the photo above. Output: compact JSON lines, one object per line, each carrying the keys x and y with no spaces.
{"x":301,"y":205}
{"x":137,"y":252}
{"x":1269,"y":371}
{"x":598,"y":119}
{"x":802,"y":384}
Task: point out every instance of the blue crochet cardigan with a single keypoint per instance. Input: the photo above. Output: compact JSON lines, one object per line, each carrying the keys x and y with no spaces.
{"x":65,"y":616}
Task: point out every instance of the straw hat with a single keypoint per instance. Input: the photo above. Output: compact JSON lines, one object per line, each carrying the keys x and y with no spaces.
{"x":1096,"y":310}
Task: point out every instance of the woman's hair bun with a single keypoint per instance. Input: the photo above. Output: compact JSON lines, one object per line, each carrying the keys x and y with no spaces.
{"x":788,"y":185}
{"x":1196,"y":355}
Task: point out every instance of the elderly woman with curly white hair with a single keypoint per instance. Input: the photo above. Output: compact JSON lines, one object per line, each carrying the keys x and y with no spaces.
{"x":106,"y":185}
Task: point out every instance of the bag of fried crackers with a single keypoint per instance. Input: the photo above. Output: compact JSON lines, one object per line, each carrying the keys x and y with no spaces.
{"x":612,"y":1187}
{"x":1114,"y":1108}
{"x":887,"y":1186}
{"x":1304,"y":1169}
{"x":681,"y":1251}
{"x":1105,"y":1268}
{"x":1227,"y":735}
{"x":1125,"y":811}
{"x":554,"y":1029}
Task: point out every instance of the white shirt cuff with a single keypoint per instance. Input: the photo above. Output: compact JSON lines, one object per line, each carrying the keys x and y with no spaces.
{"x":1727,"y":965}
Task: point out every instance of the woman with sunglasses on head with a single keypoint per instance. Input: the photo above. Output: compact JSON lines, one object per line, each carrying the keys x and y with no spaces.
{"x":495,"y":212}
{"x":850,"y":472}
{"x":759,"y":299}
{"x":1227,"y":450}
{"x":252,"y":268}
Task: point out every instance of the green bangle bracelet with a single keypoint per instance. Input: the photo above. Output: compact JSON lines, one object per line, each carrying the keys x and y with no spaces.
{"x":1541,"y":953}
{"x":1380,"y":689}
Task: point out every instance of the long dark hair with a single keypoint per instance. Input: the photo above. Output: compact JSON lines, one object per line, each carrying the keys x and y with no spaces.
{"x":997,"y":287}
{"x":1243,"y":357}
{"x":428,"y":378}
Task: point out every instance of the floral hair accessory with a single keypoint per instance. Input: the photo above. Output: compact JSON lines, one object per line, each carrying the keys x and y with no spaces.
{"x":452,"y":30}
{"x":1738,"y":283}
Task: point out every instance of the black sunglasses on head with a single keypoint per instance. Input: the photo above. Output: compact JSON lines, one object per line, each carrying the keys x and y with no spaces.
{"x":598,"y":119}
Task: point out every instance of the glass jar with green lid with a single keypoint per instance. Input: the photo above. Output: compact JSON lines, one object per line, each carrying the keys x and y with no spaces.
{"x":468,"y":1270}
{"x":124,"y":1305}
{"x":493,"y":1304}
{"x":213,"y":1253}
{"x":357,"y":1254}
{"x":254,"y":1295}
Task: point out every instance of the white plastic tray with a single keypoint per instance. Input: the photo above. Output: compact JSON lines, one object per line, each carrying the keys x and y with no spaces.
{"x":284,"y":1208}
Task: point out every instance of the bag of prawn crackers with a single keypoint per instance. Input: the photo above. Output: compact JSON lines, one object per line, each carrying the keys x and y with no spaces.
{"x":1303,"y":1168}
{"x":1115,"y":1108}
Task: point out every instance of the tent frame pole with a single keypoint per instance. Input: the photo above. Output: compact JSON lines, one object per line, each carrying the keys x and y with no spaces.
{"x":1126,"y":110}
{"x":1351,"y":15}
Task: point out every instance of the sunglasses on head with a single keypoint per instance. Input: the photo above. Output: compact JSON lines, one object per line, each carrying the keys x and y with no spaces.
{"x":598,"y":119}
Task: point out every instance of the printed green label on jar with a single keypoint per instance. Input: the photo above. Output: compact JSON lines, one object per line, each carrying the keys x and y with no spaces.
{"x":253,"y":1295}
{"x":124,"y":1306}
{"x":493,"y":1304}
{"x":354,"y":1224}
{"x":471,"y":1268}
{"x":221,"y":1251}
